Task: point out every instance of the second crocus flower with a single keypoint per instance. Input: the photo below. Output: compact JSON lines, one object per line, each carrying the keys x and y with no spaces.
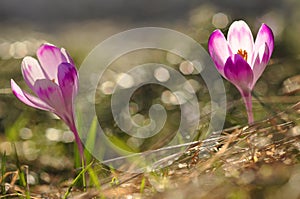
{"x":53,"y":79}
{"x":241,"y":60}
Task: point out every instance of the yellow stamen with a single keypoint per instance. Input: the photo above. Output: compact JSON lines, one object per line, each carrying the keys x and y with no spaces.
{"x":243,"y":53}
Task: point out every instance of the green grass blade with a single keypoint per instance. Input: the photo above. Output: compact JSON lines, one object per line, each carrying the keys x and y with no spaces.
{"x":143,"y":183}
{"x":3,"y":171}
{"x":22,"y":175}
{"x":91,"y":137}
{"x":78,"y":177}
{"x":94,"y":178}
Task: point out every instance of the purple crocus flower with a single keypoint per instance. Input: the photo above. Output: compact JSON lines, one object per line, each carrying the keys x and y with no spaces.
{"x":54,"y":80}
{"x":241,"y":60}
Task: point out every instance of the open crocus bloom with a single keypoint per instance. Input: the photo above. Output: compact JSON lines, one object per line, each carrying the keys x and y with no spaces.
{"x":241,"y":60}
{"x":54,"y":81}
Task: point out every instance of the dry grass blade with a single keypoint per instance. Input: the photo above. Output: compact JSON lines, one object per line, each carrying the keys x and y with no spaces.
{"x":265,"y":153}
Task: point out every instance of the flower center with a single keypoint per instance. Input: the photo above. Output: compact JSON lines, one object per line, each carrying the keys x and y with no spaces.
{"x":243,"y":53}
{"x":53,"y":80}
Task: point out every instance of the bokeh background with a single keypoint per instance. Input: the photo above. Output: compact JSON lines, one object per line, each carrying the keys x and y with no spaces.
{"x":45,"y":142}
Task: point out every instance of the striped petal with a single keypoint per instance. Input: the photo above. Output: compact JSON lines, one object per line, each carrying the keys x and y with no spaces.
{"x":265,"y":36}
{"x":50,"y":93}
{"x":50,"y":58}
{"x":261,"y":61}
{"x":240,"y":38}
{"x":219,"y":49}
{"x":29,"y":99}
{"x":67,"y":56}
{"x":68,"y":82}
{"x":238,"y":72}
{"x":31,"y":71}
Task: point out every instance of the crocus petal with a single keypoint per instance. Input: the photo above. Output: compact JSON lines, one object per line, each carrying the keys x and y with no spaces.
{"x":50,"y":57}
{"x":50,"y":93}
{"x":28,"y":99}
{"x":265,"y":35}
{"x":238,"y":72}
{"x":240,"y":38}
{"x":261,"y":62}
{"x":67,"y":56}
{"x":218,"y":49}
{"x":68,"y":81}
{"x":31,"y":71}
